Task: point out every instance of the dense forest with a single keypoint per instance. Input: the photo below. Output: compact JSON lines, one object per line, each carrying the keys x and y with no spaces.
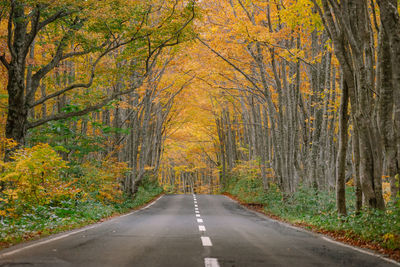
{"x":289,"y":104}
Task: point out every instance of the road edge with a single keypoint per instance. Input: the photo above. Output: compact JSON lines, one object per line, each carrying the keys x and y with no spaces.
{"x":319,"y":235}
{"x":33,"y":243}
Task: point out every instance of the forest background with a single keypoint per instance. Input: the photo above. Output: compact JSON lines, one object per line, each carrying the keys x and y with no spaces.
{"x":291,"y":105}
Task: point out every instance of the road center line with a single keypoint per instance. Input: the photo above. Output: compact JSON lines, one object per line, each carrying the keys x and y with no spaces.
{"x":211,"y":262}
{"x":202,"y":228}
{"x":199,"y":220}
{"x":206,"y":241}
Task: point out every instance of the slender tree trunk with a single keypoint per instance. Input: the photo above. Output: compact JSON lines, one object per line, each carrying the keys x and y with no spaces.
{"x":341,"y":157}
{"x":356,"y":169}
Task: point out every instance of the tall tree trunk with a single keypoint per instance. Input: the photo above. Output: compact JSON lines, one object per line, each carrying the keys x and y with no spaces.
{"x":341,"y":157}
{"x":17,"y":117}
{"x":356,"y":169}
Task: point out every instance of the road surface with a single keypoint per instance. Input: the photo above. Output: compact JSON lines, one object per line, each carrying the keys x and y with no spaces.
{"x":190,"y":231}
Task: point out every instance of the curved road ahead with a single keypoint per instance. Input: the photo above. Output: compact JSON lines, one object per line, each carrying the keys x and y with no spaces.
{"x":190,"y":231}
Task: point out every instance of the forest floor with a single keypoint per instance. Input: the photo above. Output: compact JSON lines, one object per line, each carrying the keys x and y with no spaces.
{"x":379,"y":232}
{"x":52,"y":220}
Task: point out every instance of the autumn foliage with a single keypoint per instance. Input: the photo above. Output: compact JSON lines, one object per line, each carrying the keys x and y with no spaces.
{"x":37,"y":176}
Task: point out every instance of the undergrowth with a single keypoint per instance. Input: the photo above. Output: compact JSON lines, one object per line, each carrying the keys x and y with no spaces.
{"x":40,"y":193}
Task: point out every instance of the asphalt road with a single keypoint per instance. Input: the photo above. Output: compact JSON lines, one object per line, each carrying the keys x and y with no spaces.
{"x":172,"y":232}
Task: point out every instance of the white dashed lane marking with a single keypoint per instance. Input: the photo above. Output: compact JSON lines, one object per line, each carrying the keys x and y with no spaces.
{"x":211,"y":262}
{"x":206,"y":241}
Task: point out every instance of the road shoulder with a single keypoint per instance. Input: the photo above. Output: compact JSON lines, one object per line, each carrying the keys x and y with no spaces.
{"x":44,"y":240}
{"x":325,"y":235}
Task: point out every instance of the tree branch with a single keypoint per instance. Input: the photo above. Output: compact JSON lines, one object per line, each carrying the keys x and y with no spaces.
{"x":92,"y":72}
{"x":58,"y":15}
{"x":58,"y":57}
{"x":72,"y":86}
{"x":34,"y":28}
{"x":249,"y":16}
{"x":231,"y":64}
{"x":165,"y":43}
{"x":4,"y":61}
{"x":82,"y":112}
{"x":290,"y":52}
{"x":10,"y":32}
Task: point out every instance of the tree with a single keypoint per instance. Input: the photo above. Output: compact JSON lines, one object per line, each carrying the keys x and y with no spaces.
{"x":350,"y":27}
{"x":74,"y":29}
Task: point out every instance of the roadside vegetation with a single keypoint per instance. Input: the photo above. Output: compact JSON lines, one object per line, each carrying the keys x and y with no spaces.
{"x":46,"y":194}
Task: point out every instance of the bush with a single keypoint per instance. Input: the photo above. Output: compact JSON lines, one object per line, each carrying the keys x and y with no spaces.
{"x":32,"y":179}
{"x":102,"y":181}
{"x":246,"y":182}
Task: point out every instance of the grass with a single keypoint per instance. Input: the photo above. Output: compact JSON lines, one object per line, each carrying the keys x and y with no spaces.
{"x":46,"y":220}
{"x":317,"y":210}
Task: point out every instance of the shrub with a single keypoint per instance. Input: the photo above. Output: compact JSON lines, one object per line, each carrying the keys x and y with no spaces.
{"x":101,"y":181}
{"x":33,"y":178}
